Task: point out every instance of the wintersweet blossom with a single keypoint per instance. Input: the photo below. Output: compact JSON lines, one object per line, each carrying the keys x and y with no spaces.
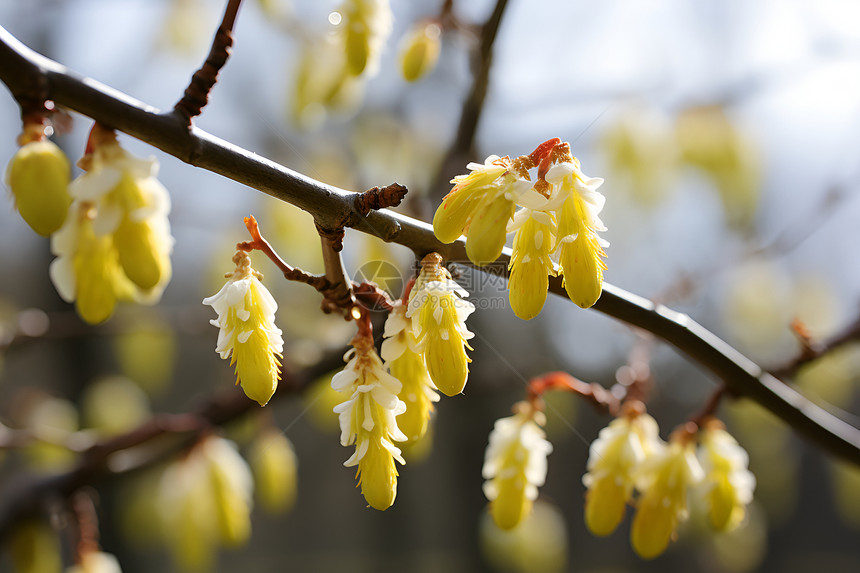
{"x":232,"y":489}
{"x":530,"y":264}
{"x":131,"y":206}
{"x":612,"y":462}
{"x":579,"y":247}
{"x":368,"y":421}
{"x":481,"y":204}
{"x":420,"y":50}
{"x":663,"y":479}
{"x":87,"y":270}
{"x":515,"y":464}
{"x":38,"y":177}
{"x":248,"y":335}
{"x":406,"y":363}
{"x":728,"y":483}
{"x":438,"y":312}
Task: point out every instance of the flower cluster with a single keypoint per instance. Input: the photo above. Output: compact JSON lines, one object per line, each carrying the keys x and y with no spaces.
{"x":629,"y":456}
{"x":115,"y":243}
{"x":515,"y":464}
{"x":367,"y":420}
{"x":438,"y":312}
{"x":558,"y":222}
{"x":248,"y":335}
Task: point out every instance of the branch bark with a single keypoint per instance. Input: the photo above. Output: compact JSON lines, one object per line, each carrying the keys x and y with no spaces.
{"x":21,"y":69}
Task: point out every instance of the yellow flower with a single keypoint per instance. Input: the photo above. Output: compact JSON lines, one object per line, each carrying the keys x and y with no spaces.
{"x":481,"y":204}
{"x":367,"y":24}
{"x":38,"y":176}
{"x":579,"y":248}
{"x":406,"y":363}
{"x":231,"y":488}
{"x":438,"y":314}
{"x":613,"y":459}
{"x":530,"y":263}
{"x":275,"y":468}
{"x":86,"y":270}
{"x":515,"y":465}
{"x":367,"y":420}
{"x":663,"y":479}
{"x":246,"y":317}
{"x":729,"y":484}
{"x":420,"y":51}
{"x":130,"y":204}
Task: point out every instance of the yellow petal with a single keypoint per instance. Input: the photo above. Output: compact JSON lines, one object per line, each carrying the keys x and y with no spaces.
{"x":527,"y":288}
{"x":582,"y":269}
{"x":421,"y":52}
{"x":143,"y":254}
{"x":605,"y":504}
{"x":653,"y":527}
{"x":454,"y":213}
{"x":488,"y":229}
{"x":378,"y":476}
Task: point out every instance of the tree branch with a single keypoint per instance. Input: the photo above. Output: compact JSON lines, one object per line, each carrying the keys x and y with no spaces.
{"x":473,"y":105}
{"x":20,"y":68}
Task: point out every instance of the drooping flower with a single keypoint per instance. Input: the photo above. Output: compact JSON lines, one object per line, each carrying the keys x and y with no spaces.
{"x":367,"y":24}
{"x":438,"y":314}
{"x":406,"y":363}
{"x":368,"y":421}
{"x":530,"y":264}
{"x":131,"y":206}
{"x":420,"y":51}
{"x":728,"y":483}
{"x":115,"y":243}
{"x":232,"y":489}
{"x":38,"y":177}
{"x":275,"y":469}
{"x":87,"y":270}
{"x":515,"y":464}
{"x":663,"y":479}
{"x":481,"y":204}
{"x":579,"y":247}
{"x":246,"y":317}
{"x":612,"y":462}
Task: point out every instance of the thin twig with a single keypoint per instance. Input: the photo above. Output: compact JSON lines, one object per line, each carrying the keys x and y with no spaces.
{"x":197,"y":93}
{"x":331,"y":206}
{"x":473,"y":105}
{"x":812,"y":351}
{"x":290,"y":273}
{"x":599,"y":396}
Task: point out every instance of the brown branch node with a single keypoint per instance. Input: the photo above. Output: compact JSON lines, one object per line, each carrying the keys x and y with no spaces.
{"x":380,"y":198}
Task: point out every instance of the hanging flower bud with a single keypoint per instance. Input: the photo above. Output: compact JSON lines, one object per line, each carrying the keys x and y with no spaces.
{"x":438,"y":314}
{"x":420,"y":51}
{"x":367,"y":420}
{"x":38,"y":176}
{"x":612,"y":461}
{"x":406,"y":363}
{"x":515,"y":464}
{"x":580,"y":249}
{"x":728,"y":482}
{"x":232,"y":489}
{"x":246,"y":317}
{"x":663,"y":479}
{"x":530,"y":264}
{"x":275,"y":468}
